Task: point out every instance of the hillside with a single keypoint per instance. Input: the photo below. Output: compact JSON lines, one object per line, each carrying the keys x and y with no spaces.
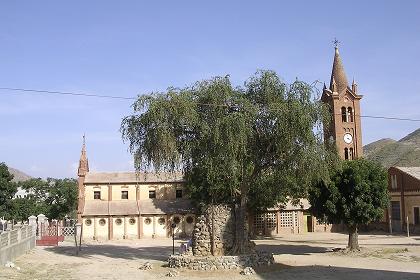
{"x":19,"y":175}
{"x":388,"y":152}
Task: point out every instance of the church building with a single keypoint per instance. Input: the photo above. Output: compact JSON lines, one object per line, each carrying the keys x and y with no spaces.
{"x":132,"y":205}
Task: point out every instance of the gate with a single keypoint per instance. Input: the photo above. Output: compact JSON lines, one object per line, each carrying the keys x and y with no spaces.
{"x":49,"y":235}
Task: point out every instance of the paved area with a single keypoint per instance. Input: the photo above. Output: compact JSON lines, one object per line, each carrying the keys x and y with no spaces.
{"x":306,"y":256}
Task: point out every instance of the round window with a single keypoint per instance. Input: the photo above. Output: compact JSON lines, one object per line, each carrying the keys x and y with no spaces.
{"x":147,"y":221}
{"x":132,"y":221}
{"x":88,"y":222}
{"x":161,"y":221}
{"x":190,"y":220}
{"x":177,"y":220}
{"x":118,"y":221}
{"x":102,"y":222}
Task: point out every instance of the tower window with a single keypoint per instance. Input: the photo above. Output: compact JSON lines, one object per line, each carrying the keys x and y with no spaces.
{"x":343,"y":114}
{"x":346,"y":153}
{"x":351,"y":155}
{"x":394,"y":181}
{"x":178,"y":194}
{"x":152,"y":194}
{"x":124,"y":194}
{"x":97,"y":195}
{"x":350,"y":114}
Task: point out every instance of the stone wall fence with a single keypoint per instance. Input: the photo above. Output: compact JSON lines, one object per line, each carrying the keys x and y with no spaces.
{"x":16,"y":242}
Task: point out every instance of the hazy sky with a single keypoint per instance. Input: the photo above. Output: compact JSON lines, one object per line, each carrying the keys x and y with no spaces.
{"x":126,"y":48}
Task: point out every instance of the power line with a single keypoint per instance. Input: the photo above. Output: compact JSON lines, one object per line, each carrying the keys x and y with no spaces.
{"x":24,"y":90}
{"x":67,"y":93}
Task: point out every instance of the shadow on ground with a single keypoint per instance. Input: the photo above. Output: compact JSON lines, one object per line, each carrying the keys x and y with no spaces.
{"x":278,"y":249}
{"x":328,"y":272}
{"x":159,"y":253}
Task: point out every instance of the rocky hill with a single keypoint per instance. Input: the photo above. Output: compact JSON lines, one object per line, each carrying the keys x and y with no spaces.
{"x":18,"y":175}
{"x":389,"y":152}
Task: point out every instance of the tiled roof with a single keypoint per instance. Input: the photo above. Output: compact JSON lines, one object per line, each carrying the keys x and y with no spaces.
{"x":132,"y":177}
{"x":122,"y":208}
{"x":157,"y":206}
{"x":96,"y":208}
{"x":413,"y":171}
{"x":133,"y":207}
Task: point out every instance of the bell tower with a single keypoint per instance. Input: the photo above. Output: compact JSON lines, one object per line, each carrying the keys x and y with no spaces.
{"x":81,"y":173}
{"x":344,"y":105}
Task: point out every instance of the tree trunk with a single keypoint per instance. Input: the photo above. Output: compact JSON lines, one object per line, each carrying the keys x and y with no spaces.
{"x":241,"y":242}
{"x":353,"y":239}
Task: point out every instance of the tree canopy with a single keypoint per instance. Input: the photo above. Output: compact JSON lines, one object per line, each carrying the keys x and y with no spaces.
{"x":250,"y":146}
{"x":356,"y":195}
{"x":55,"y":198}
{"x":7,"y":190}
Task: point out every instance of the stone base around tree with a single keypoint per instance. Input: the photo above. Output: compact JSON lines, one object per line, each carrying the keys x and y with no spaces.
{"x":220,"y":262}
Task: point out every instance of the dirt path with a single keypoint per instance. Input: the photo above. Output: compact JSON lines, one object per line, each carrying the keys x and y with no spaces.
{"x":306,"y":256}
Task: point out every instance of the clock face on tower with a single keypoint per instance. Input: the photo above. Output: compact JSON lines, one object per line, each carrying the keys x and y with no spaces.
{"x":348,"y":138}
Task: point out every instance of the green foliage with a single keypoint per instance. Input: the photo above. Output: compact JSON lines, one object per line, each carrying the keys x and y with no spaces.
{"x":7,"y":190}
{"x":260,"y":141}
{"x":357,"y":194}
{"x":54,"y":198}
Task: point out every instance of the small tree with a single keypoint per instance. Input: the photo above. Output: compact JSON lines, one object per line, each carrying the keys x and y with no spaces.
{"x":356,"y":195}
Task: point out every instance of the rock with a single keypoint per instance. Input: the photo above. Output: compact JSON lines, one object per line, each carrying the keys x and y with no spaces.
{"x":172,"y":273}
{"x":248,"y":271}
{"x":146,"y":266}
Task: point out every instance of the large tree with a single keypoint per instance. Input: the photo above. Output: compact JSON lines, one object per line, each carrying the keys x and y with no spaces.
{"x":7,"y":190}
{"x":356,"y":195}
{"x":251,"y":146}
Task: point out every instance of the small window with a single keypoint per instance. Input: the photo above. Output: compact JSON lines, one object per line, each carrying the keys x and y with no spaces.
{"x":97,"y":195}
{"x":88,"y":222}
{"x":346,"y":153}
{"x":161,"y":221}
{"x":176,"y":220}
{"x":152,"y":194}
{"x":132,"y":221}
{"x":102,"y":222}
{"x":147,"y":221}
{"x":190,"y":220}
{"x":394,"y":181}
{"x":416,"y":215}
{"x":178,"y":193}
{"x":351,"y":155}
{"x":124,"y":194}
{"x":118,"y":222}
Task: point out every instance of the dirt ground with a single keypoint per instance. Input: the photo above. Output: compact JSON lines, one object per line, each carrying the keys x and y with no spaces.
{"x":305,"y":256}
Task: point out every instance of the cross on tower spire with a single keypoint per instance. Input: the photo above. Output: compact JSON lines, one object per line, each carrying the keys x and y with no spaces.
{"x":336,"y":43}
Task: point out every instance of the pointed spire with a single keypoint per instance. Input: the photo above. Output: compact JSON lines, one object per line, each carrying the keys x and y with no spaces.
{"x":83,"y":162}
{"x":338,"y":75}
{"x":354,"y":87}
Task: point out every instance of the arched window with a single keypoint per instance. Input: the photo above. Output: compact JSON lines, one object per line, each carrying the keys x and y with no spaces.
{"x":351,"y":155}
{"x":350,"y":114}
{"x":346,"y":153}
{"x":343,"y":114}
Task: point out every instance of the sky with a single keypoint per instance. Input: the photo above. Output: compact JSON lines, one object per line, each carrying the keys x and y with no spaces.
{"x":127,"y":48}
